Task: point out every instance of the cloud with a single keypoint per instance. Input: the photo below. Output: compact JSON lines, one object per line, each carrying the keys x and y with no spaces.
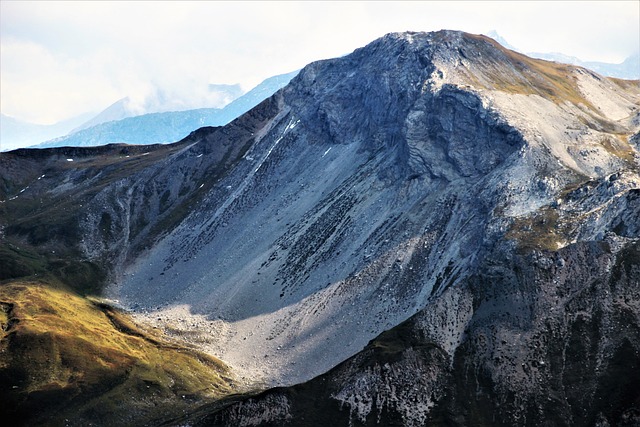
{"x":59,"y":59}
{"x":42,"y":87}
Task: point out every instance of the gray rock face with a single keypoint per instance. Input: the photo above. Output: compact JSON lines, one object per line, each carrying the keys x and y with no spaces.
{"x":492,"y":231}
{"x":377,"y":182}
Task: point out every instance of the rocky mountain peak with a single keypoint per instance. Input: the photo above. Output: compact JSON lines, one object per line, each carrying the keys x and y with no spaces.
{"x":380,"y":179}
{"x":378,"y":94}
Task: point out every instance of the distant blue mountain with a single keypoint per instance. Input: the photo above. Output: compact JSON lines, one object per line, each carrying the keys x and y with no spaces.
{"x":168,"y":126}
{"x":629,"y":69}
{"x":16,"y":133}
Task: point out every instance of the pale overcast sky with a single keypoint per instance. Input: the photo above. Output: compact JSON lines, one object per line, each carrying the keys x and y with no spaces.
{"x":61,"y":59}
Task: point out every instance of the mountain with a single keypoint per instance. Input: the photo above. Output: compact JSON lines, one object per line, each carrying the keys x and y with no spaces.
{"x":220,"y":94}
{"x":16,"y":133}
{"x":144,"y":129}
{"x":116,"y":111}
{"x":227,"y":93}
{"x":503,"y":42}
{"x":115,"y":124}
{"x":431,"y":230}
{"x":259,"y":93}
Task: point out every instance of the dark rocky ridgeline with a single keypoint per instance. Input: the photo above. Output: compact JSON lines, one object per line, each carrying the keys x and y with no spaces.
{"x":82,"y":212}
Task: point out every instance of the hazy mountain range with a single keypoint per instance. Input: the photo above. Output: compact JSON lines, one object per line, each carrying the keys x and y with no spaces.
{"x":123,"y":121}
{"x":432,"y":230}
{"x":18,"y":134}
{"x":168,"y":126}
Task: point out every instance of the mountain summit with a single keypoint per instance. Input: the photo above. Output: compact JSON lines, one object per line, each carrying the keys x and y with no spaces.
{"x":478,"y":205}
{"x":375,"y":175}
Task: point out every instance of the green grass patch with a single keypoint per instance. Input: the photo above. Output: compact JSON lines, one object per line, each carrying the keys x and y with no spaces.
{"x":23,"y":261}
{"x":17,"y":262}
{"x":69,"y":357}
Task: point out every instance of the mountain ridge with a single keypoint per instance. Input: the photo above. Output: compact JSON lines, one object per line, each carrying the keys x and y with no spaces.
{"x":628,"y":69}
{"x":17,"y":134}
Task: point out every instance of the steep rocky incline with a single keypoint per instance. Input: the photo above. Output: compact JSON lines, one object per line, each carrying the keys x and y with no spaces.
{"x":534,"y":338}
{"x":325,"y":235}
{"x":382,"y":180}
{"x":487,"y":200}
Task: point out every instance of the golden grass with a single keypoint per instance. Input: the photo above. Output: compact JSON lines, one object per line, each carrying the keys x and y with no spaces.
{"x":626,"y":84}
{"x":551,"y":80}
{"x":68,"y":356}
{"x":4,"y":318}
{"x":501,"y":69}
{"x":541,"y":231}
{"x":618,"y":145}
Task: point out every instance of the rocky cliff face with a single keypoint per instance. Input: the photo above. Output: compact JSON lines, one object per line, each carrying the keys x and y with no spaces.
{"x":484,"y":201}
{"x":325,"y":234}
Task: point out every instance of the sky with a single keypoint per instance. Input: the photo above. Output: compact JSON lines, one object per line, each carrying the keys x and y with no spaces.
{"x":62,"y":59}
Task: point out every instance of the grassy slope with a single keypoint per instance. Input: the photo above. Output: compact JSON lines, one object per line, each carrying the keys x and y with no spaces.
{"x":64,"y":357}
{"x":511,"y":72}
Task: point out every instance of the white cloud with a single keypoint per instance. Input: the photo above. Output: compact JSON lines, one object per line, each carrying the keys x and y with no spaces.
{"x":42,"y":87}
{"x":65,"y":58}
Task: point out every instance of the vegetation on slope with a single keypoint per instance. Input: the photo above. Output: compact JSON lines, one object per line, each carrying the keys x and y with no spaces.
{"x":512,"y":72}
{"x":65,"y":359}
